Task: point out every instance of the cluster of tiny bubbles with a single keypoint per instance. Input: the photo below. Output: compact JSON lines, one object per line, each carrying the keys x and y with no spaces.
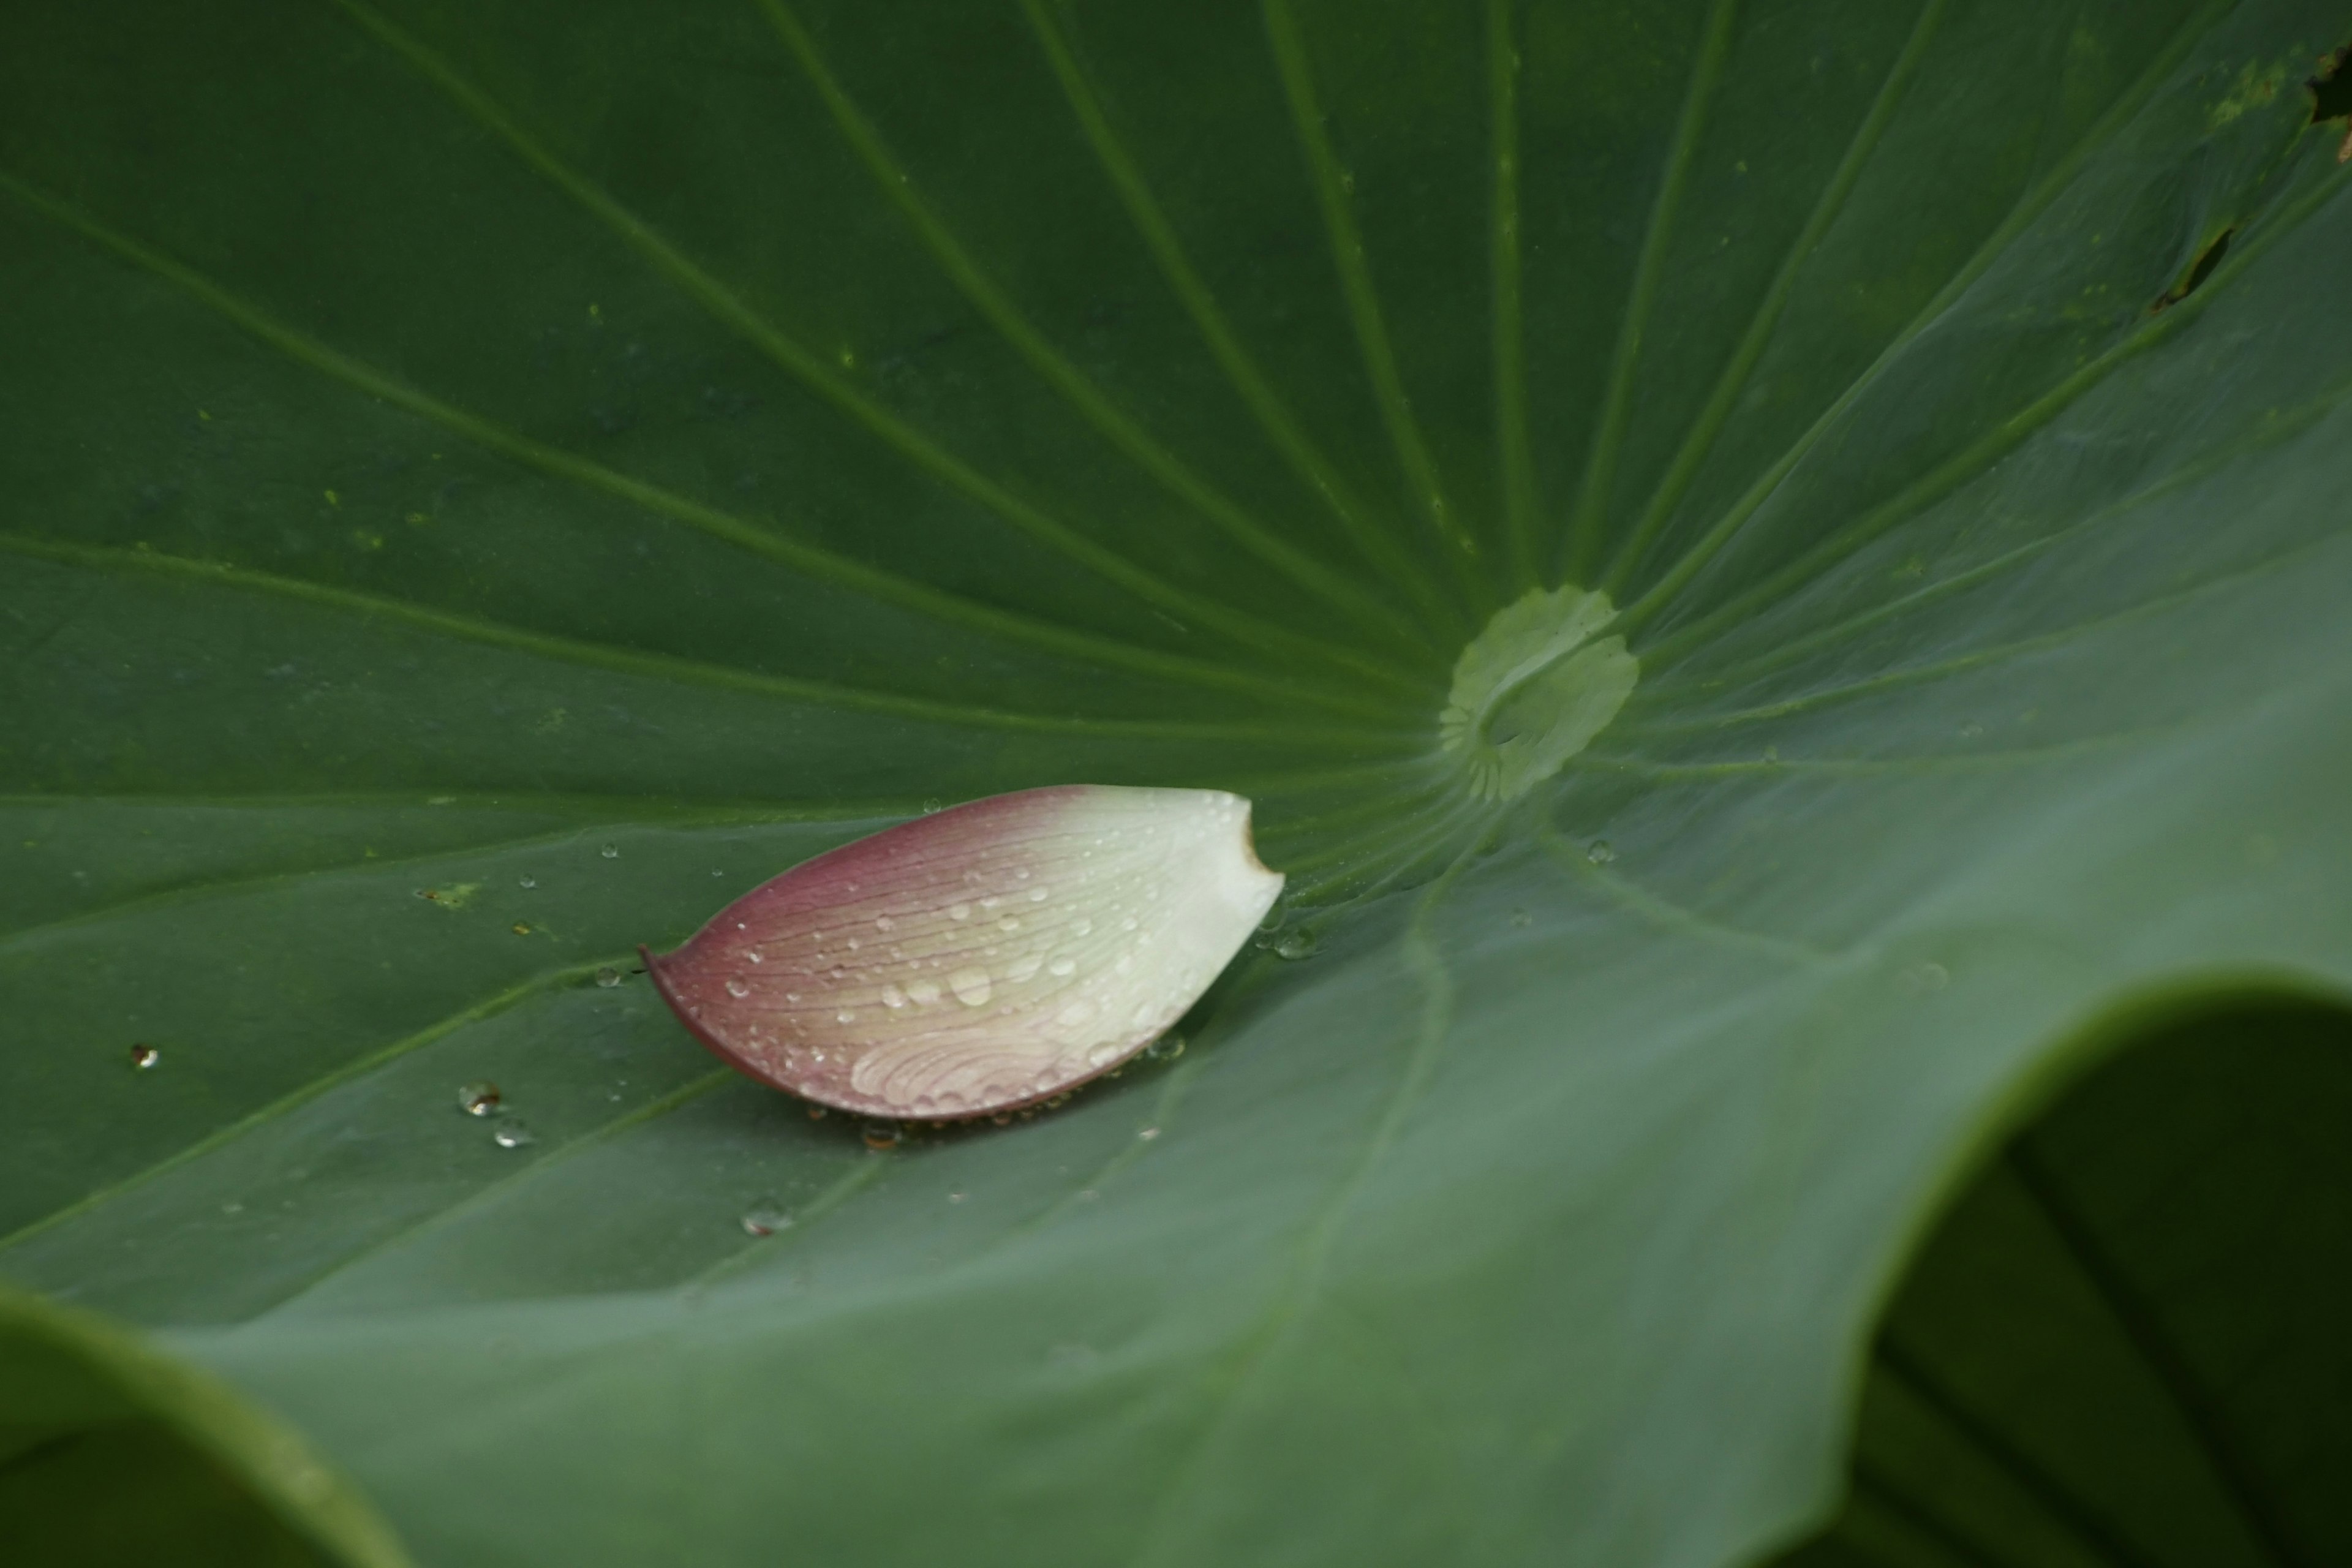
{"x":512,"y":1134}
{"x":143,"y":1057}
{"x":611,"y":852}
{"x":765,"y":1217}
{"x":608,"y":977}
{"x":881,"y":1136}
{"x":478,"y":1098}
{"x":1600,"y":854}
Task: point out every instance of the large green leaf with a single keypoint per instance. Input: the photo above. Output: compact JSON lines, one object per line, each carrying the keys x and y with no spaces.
{"x":576,"y":462}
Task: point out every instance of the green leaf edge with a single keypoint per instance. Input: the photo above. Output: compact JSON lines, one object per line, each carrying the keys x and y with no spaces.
{"x":285,"y":1473}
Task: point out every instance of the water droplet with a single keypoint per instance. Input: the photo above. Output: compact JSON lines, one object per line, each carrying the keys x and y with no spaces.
{"x":1081,"y":926}
{"x":1008,"y":923}
{"x":1522,"y":918}
{"x":880,"y":1136}
{"x":1063,"y":966}
{"x":971,"y":985}
{"x":1149,"y":1133}
{"x":884,"y":922}
{"x":1038,"y":895}
{"x":523,"y":928}
{"x":1166,"y":1048}
{"x":957,"y":1197}
{"x":736,"y":987}
{"x":931,"y":806}
{"x":844,"y":1016}
{"x":478,"y":1098}
{"x":1127,"y":924}
{"x":959,"y":911}
{"x":1772,"y":754}
{"x":1297,"y":944}
{"x":1076,"y":1013}
{"x":513,"y":1135}
{"x":1922,"y":979}
{"x":527,"y":881}
{"x":1600,"y":854}
{"x":144,"y":1056}
{"x":608,"y":977}
{"x":1022,"y":875}
{"x":816,"y":1112}
{"x":767,"y":1217}
{"x":924,"y":993}
{"x":1022,"y":968}
{"x":610,"y":852}
{"x":893,"y":998}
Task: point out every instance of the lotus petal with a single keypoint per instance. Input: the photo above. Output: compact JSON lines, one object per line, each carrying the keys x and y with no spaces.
{"x":985,"y":957}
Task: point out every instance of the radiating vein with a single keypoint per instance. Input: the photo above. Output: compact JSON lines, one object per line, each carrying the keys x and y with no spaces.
{"x":1363,"y":302}
{"x":1511,"y":451}
{"x":1671,"y":915}
{"x":2027,"y":208}
{"x":232,"y":887}
{"x":1978,"y":659}
{"x":1304,"y":1279}
{"x":809,"y":558}
{"x":2207,"y":1426}
{"x":1974,"y":459}
{"x":814,"y":371}
{"x":859,"y":1177}
{"x":1076,"y":389}
{"x":484,"y":1196}
{"x":488,"y":1007}
{"x":1162,"y":1113}
{"x":1881,"y":1490}
{"x":1377,"y":545}
{"x":1948,"y":762}
{"x":2274,"y":428}
{"x":1700,"y":441}
{"x":1588,"y":522}
{"x":652,"y":666}
{"x":2086,"y":1523}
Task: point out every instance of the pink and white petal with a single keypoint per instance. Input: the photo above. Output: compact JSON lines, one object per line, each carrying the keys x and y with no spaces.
{"x":985,"y":957}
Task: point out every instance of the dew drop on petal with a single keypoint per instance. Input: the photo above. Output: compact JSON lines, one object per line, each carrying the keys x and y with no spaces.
{"x":844,"y":1016}
{"x":736,"y":987}
{"x":924,"y":993}
{"x":971,"y":986}
{"x":884,"y":922}
{"x":893,"y":998}
{"x":1063,"y":966}
{"x":959,"y":911}
{"x":1021,"y":968}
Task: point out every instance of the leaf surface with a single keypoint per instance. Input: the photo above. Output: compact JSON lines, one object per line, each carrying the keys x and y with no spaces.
{"x":575,"y":462}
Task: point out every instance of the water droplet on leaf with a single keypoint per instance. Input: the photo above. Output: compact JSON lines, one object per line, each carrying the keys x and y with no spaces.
{"x":478,"y":1098}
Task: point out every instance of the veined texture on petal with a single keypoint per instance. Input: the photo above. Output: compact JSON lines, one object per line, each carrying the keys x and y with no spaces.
{"x":985,"y":957}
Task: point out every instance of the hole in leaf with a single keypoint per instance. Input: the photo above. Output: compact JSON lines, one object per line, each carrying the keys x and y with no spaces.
{"x":2198,"y":270}
{"x":2331,"y":89}
{"x":2331,"y":98}
{"x":2123,"y":1344}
